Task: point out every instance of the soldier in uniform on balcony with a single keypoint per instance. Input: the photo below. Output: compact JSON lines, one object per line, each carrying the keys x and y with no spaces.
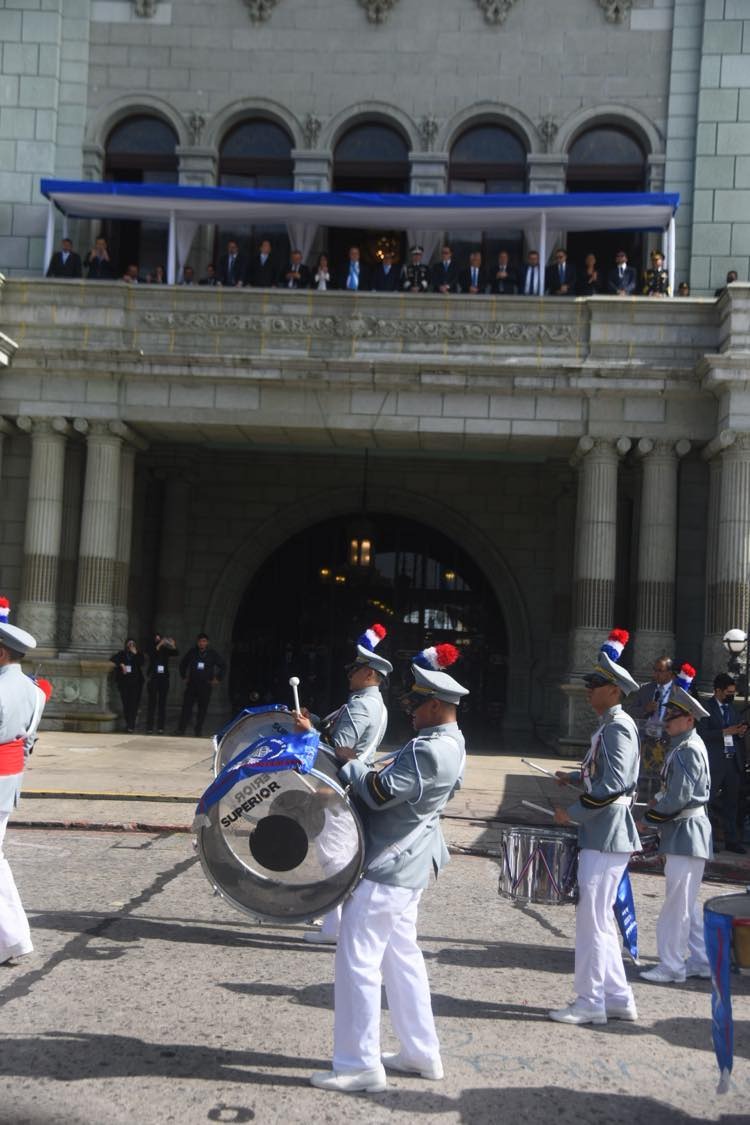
{"x":415,"y":276}
{"x":656,"y":279}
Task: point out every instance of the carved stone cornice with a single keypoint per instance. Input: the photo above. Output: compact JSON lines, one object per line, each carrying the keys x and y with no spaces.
{"x":365,"y":326}
{"x":615,"y":11}
{"x":496,"y":11}
{"x":378,"y":10}
{"x":260,"y":10}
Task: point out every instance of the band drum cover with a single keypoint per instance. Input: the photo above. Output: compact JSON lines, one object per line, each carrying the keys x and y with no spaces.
{"x":539,"y":865}
{"x":281,"y":846}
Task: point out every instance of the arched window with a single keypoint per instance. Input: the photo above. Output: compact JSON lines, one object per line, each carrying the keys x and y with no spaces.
{"x":140,"y":150}
{"x":606,"y":158}
{"x":487,"y":160}
{"x":255,"y":153}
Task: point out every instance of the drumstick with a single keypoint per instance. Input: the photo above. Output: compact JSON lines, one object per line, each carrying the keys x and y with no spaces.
{"x":541,"y":769}
{"x":538,"y":808}
{"x":294,"y":684}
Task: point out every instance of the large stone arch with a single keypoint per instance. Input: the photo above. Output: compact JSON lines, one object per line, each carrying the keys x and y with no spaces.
{"x":489,"y":113}
{"x":624,"y":116}
{"x":244,"y":108}
{"x":273,"y":532}
{"x":131,"y":105}
{"x":370,"y":111}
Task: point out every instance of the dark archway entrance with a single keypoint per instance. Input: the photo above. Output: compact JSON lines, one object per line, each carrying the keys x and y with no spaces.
{"x":312,"y":597}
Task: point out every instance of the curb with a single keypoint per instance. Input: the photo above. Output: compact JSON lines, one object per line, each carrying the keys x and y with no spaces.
{"x":99,"y":826}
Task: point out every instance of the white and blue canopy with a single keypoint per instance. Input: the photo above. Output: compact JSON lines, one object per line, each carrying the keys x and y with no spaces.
{"x":542,"y":217}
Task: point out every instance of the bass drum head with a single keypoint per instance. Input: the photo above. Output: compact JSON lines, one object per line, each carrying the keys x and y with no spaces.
{"x":282,"y":846}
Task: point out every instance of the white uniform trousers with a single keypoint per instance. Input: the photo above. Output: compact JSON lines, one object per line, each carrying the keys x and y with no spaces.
{"x":15,"y":937}
{"x":679,"y":930}
{"x":599,"y":971}
{"x":331,"y":923}
{"x":379,"y":936}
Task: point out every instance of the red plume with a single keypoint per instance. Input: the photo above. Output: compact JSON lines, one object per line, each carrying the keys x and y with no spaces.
{"x":621,"y":635}
{"x":447,"y":655}
{"x":379,"y":631}
{"x":688,"y":670}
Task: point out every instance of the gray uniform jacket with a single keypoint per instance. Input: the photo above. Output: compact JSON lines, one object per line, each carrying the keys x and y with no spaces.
{"x":20,"y":712}
{"x":686,"y":785}
{"x":605,"y":825}
{"x":403,"y":840}
{"x":360,"y":724}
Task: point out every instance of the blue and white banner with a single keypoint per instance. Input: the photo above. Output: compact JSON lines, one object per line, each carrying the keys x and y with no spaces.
{"x":625,"y":914}
{"x":718,"y":934}
{"x":284,"y":751}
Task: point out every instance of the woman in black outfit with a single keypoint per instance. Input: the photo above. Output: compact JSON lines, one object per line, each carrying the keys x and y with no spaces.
{"x":128,"y":664}
{"x":588,"y":285}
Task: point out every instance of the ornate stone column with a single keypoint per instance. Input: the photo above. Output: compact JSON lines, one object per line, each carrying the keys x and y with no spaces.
{"x":124,"y":535}
{"x":657,"y":553}
{"x":93,"y":613}
{"x":4,"y":429}
{"x":728,"y":562}
{"x":594,"y":570}
{"x":71,"y":530}
{"x":37,"y":610}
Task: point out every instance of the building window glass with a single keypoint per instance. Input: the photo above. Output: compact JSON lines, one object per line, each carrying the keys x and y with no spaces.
{"x":487,"y":160}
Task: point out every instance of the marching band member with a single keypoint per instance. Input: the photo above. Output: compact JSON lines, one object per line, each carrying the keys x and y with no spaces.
{"x":606,"y":835}
{"x":354,"y":731}
{"x":403,"y":844}
{"x":21,"y":704}
{"x":679,"y":812}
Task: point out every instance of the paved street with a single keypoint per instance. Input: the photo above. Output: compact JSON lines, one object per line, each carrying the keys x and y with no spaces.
{"x":149,"y":1001}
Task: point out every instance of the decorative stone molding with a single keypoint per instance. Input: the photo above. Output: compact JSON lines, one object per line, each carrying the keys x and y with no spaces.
{"x":496,"y":11}
{"x":260,"y":10}
{"x":145,"y":8}
{"x":378,"y":10}
{"x":615,"y":11}
{"x":548,"y":129}
{"x":311,"y":130}
{"x":364,"y":326}
{"x":428,"y":131}
{"x":196,"y":125}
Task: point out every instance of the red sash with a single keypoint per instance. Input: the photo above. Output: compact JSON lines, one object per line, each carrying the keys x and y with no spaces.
{"x":11,"y":757}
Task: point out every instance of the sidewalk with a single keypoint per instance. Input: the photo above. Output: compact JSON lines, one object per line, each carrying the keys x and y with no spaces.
{"x":123,"y":781}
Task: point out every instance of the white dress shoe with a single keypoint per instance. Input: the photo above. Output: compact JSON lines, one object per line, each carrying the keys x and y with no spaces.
{"x":429,"y":1068}
{"x":370,"y":1081}
{"x":319,"y":938}
{"x":575,"y":1014}
{"x":698,"y":969}
{"x":622,"y":1012}
{"x":660,"y":975}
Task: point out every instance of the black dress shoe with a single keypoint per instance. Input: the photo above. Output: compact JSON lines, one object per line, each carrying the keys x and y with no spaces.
{"x":739,"y":849}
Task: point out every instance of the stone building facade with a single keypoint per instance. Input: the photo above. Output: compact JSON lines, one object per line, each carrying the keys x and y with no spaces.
{"x":160,"y":446}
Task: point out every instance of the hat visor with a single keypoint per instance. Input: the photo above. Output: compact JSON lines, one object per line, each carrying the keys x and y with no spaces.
{"x":594,"y":680}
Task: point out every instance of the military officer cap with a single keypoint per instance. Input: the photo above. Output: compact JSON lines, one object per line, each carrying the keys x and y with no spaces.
{"x":416,"y":250}
{"x":430,"y":679}
{"x":607,"y":670}
{"x":680,"y":700}
{"x":18,"y":640}
{"x":366,"y":644}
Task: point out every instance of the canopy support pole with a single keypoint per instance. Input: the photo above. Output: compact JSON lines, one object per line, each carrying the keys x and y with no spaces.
{"x":671,"y":256}
{"x":542,"y":251}
{"x":172,"y":250}
{"x":49,"y":236}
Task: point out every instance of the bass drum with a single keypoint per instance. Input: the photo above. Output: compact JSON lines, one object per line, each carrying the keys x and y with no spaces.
{"x":283,"y":846}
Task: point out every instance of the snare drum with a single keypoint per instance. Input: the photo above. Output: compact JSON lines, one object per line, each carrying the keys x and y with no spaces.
{"x":539,"y":864}
{"x":738,"y":905}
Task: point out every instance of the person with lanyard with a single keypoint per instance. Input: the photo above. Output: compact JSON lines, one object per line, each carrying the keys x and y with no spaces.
{"x":201,"y":668}
{"x":22,"y":701}
{"x":606,"y":836}
{"x":403,"y":845}
{"x":678,"y":811}
{"x":159,"y":653}
{"x":648,"y":706}
{"x":355,"y":731}
{"x":128,"y":664}
{"x":723,"y":732}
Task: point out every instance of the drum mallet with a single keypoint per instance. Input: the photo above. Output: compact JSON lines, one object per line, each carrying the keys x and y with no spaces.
{"x":538,"y":808}
{"x":541,"y":769}
{"x":294,"y":684}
